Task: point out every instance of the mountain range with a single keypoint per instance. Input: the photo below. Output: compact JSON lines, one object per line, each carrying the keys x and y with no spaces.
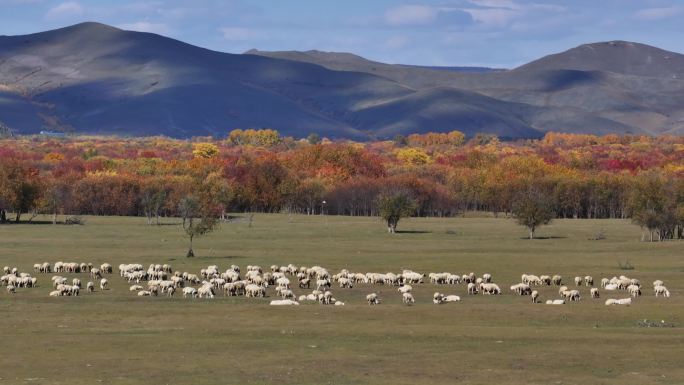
{"x":96,"y":79}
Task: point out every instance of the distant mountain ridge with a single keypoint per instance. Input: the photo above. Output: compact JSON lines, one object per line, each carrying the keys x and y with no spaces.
{"x":93,"y":78}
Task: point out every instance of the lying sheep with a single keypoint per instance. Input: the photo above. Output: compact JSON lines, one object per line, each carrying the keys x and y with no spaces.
{"x":144,"y":293}
{"x":624,"y":301}
{"x":135,"y":288}
{"x":555,"y":302}
{"x":283,"y":302}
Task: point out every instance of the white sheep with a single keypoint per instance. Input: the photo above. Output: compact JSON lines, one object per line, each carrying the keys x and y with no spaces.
{"x":283,"y":302}
{"x":535,"y":295}
{"x":578,"y":281}
{"x":90,"y":287}
{"x":189,"y":291}
{"x":594,"y":292}
{"x":405,"y":289}
{"x":104,"y":284}
{"x":589,"y":280}
{"x":407,"y":298}
{"x":661,"y":290}
{"x":372,"y":299}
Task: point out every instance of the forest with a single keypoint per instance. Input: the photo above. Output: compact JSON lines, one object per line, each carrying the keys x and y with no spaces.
{"x":580,"y":176}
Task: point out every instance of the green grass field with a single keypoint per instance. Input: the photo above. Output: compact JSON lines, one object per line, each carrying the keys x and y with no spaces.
{"x":115,"y":337}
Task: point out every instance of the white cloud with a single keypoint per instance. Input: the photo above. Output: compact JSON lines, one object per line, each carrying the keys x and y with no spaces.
{"x":411,"y":15}
{"x":238,"y":33}
{"x":492,"y":17}
{"x":65,"y":10}
{"x":146,"y":26}
{"x":658,"y":13}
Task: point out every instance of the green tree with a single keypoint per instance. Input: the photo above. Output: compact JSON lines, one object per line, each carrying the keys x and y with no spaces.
{"x":533,"y":208}
{"x":395,"y":205}
{"x":197,"y":220}
{"x":313,"y":138}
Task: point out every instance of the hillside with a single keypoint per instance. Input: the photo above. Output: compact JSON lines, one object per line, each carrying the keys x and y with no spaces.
{"x":93,"y":78}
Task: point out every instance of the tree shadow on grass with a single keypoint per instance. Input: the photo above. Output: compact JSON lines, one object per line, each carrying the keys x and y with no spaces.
{"x":413,"y":232}
{"x":219,"y":257}
{"x":34,"y":222}
{"x":542,"y":238}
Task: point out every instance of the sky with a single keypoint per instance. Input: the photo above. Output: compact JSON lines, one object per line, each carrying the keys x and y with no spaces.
{"x":493,"y":33}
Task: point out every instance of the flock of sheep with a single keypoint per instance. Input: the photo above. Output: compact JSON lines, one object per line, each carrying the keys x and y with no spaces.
{"x":163,"y":280}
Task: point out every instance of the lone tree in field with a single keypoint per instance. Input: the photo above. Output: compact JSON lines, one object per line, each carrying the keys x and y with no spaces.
{"x":393,"y":206}
{"x":532,"y":209}
{"x":196,"y":221}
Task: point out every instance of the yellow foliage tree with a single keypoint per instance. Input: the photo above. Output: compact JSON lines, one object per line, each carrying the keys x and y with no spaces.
{"x":205,"y":150}
{"x":413,"y":156}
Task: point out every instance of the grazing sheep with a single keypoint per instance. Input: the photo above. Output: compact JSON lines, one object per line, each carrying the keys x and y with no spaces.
{"x":206,"y":291}
{"x":405,"y":289}
{"x":535,"y":295}
{"x":589,"y":280}
{"x":76,"y":282}
{"x":658,"y":283}
{"x":189,"y":291}
{"x":345,"y":283}
{"x":304,"y":282}
{"x":490,"y":289}
{"x":521,"y":289}
{"x":487,"y":278}
{"x":472,"y":289}
{"x":11,"y":289}
{"x":104,"y":284}
{"x":90,"y":287}
{"x":562,"y":289}
{"x":578,"y":281}
{"x":661,"y":290}
{"x":372,"y":299}
{"x":604,"y":282}
{"x":408,"y":299}
{"x":611,"y":287}
{"x":545,"y":279}
{"x":594,"y":292}
{"x":557,"y":280}
{"x":634,"y":290}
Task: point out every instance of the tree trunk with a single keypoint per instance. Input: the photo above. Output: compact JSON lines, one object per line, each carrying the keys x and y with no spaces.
{"x":531,"y":232}
{"x":54,"y":218}
{"x":18,"y":217}
{"x":190,"y":253}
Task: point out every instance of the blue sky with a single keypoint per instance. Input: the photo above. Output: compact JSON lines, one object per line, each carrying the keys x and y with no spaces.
{"x":498,"y":33}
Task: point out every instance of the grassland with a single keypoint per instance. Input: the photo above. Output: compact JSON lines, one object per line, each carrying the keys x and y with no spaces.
{"x":115,"y":337}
